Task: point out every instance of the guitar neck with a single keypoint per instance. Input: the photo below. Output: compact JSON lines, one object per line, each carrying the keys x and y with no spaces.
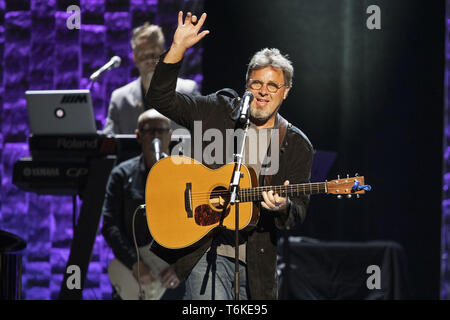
{"x":292,"y":190}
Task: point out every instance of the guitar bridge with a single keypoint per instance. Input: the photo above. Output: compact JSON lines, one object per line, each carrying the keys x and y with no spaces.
{"x":188,"y":200}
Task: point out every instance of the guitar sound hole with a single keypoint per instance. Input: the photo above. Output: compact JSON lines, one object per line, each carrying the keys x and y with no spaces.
{"x":219,"y":198}
{"x":217,"y":210}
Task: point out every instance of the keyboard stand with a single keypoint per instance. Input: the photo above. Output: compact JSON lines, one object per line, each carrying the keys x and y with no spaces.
{"x":87,"y":226}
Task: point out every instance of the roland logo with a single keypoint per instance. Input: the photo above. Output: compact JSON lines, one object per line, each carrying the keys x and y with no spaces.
{"x":74,"y":98}
{"x":76,"y":144}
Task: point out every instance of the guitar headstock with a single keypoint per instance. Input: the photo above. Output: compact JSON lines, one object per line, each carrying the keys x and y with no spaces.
{"x":347,"y":186}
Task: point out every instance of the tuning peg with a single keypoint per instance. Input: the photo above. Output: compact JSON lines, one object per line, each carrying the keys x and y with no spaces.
{"x":348,"y":176}
{"x":339,"y":177}
{"x":356,"y":174}
{"x":349,"y":196}
{"x":339,"y":196}
{"x":357,"y":196}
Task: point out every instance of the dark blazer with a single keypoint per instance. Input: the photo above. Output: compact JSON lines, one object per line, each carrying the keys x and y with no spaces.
{"x":295,"y":160}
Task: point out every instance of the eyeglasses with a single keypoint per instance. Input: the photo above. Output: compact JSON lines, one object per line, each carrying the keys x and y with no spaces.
{"x":272,"y":87}
{"x":150,"y":56}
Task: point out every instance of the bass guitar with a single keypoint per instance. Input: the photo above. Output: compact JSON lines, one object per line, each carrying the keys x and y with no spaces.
{"x":126,"y":285}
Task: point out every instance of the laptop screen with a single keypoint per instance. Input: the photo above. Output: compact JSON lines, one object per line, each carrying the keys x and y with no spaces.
{"x":60,"y":112}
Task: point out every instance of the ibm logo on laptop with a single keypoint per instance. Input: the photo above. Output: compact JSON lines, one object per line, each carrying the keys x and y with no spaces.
{"x":74,"y":98}
{"x":60,"y":112}
{"x":69,"y":98}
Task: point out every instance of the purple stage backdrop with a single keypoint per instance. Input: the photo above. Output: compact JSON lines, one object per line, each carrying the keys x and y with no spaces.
{"x":38,"y":51}
{"x":445,"y":242}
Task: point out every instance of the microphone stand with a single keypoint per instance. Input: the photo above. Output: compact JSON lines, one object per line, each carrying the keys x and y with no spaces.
{"x":90,"y":85}
{"x":234,"y":189}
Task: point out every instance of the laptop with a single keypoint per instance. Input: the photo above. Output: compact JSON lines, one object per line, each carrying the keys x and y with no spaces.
{"x":60,"y":112}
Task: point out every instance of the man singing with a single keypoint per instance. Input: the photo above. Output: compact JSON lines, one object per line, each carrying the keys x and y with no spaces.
{"x":209,"y":268}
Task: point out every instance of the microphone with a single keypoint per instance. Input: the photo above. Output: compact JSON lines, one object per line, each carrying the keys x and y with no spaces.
{"x":113,"y":63}
{"x":247,"y":98}
{"x":157,"y":148}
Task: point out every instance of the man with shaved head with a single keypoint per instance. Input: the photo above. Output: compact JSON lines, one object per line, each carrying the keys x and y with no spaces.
{"x":125,"y":191}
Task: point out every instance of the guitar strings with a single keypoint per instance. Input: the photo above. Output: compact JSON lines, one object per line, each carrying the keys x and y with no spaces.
{"x":257,"y":192}
{"x":256,"y":189}
{"x":252,"y":194}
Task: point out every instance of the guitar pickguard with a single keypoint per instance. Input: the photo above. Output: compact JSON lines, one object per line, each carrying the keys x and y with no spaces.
{"x":206,"y":216}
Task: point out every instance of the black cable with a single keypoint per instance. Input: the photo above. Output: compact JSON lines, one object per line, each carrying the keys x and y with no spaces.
{"x":141,"y":292}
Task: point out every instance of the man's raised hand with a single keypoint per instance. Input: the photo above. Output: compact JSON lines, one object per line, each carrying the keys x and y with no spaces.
{"x":186,"y":35}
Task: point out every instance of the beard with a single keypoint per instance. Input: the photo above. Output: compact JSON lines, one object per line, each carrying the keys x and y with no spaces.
{"x":260,"y":115}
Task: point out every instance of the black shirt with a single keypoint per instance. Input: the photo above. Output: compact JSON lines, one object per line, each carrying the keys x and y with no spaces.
{"x":295,"y":160}
{"x":125,"y":191}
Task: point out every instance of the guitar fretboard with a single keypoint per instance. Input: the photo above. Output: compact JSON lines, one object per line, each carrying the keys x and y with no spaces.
{"x":295,"y":190}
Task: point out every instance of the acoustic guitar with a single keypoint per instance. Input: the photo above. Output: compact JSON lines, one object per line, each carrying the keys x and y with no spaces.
{"x":185,"y":200}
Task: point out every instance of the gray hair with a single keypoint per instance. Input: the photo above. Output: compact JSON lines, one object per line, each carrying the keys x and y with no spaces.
{"x":272,"y":58}
{"x":150,"y":33}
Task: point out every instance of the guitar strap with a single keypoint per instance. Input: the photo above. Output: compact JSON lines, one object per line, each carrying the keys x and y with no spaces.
{"x":282,"y":125}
